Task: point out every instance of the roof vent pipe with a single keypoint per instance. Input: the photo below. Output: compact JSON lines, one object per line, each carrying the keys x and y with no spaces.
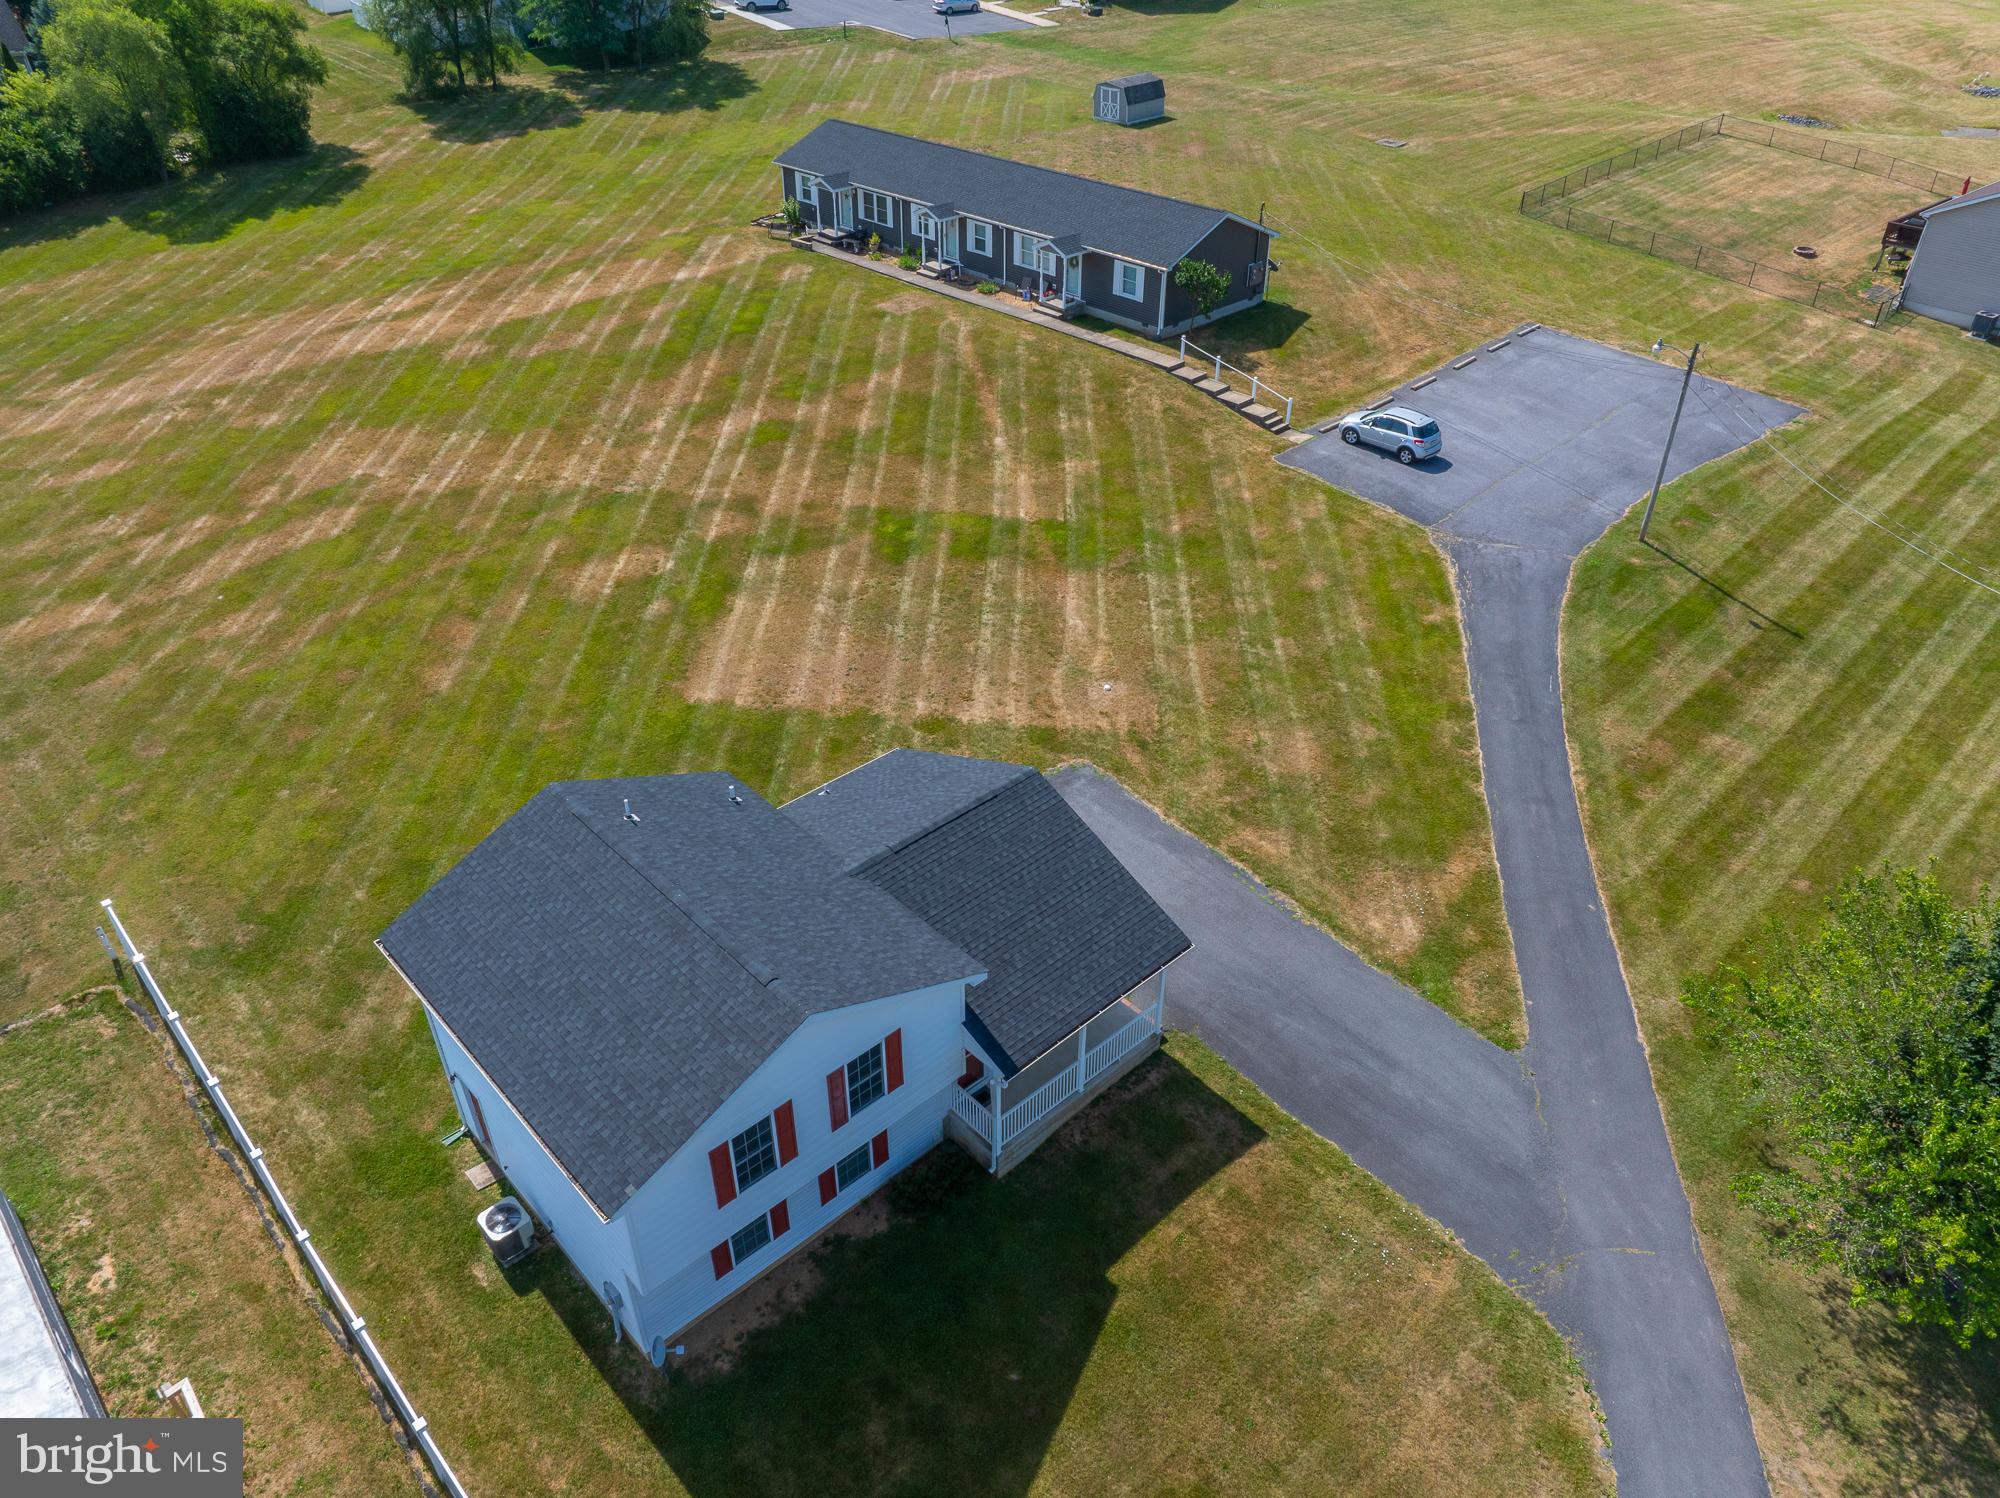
{"x":630,"y":815}
{"x":734,"y":799}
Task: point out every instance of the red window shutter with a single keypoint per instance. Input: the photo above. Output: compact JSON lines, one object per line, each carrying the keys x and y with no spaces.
{"x":829,"y":1188}
{"x":880,"y":1145}
{"x":719,"y":1257}
{"x":781,"y":1219}
{"x":788,"y":1134}
{"x":836,"y":1096}
{"x":892,"y":1058}
{"x":974,"y":1070}
{"x":724,"y":1173}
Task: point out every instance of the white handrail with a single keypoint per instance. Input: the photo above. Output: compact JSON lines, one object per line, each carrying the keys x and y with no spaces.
{"x":975,"y":1113}
{"x":1258,"y":388}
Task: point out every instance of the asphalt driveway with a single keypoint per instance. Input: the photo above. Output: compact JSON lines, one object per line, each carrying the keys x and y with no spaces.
{"x":912,"y":18}
{"x":1553,"y":1165}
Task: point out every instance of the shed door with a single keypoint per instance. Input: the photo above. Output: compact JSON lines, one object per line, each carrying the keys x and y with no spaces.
{"x":1107,"y":103}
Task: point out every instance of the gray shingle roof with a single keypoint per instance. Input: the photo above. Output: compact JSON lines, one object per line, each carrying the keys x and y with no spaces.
{"x":994,"y":859}
{"x":618,"y":980}
{"x":12,"y":37}
{"x":1114,"y":220}
{"x":1139,"y":87}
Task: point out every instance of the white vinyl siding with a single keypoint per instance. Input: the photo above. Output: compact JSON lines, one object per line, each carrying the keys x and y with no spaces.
{"x":1128,"y":280}
{"x":978,"y":237}
{"x":878,"y":208}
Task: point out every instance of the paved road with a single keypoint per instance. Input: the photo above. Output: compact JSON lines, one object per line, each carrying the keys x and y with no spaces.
{"x":911,"y":18}
{"x":1552,"y":1165}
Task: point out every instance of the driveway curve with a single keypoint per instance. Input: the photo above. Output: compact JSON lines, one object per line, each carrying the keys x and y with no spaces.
{"x":1551,"y":1164}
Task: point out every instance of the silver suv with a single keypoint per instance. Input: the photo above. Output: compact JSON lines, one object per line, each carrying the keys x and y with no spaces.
{"x":1402,"y":430}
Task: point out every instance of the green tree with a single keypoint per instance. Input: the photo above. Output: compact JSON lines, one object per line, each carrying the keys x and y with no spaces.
{"x":582,"y":28}
{"x":1205,"y":284}
{"x":250,"y":73}
{"x":126,"y":89}
{"x":1872,"y":1047}
{"x":447,"y":45}
{"x":41,"y":154}
{"x":666,"y":30}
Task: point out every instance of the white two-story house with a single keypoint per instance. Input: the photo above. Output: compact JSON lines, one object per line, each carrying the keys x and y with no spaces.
{"x":691,"y":1029}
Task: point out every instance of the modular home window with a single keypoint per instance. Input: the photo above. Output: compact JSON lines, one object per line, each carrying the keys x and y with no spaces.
{"x":1025,"y":249}
{"x":923,"y":223}
{"x":754,"y":1153}
{"x":1130,"y":280}
{"x":978,"y":237}
{"x":851,"y":1168}
{"x":877,"y":208}
{"x":746,"y":1242}
{"x":807,"y":198}
{"x":865,"y":1080}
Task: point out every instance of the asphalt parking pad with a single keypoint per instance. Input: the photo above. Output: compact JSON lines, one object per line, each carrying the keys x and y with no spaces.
{"x":1547,"y":441}
{"x":912,"y":18}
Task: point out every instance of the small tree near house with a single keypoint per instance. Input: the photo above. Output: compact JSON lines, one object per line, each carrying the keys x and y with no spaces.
{"x":1205,"y":284}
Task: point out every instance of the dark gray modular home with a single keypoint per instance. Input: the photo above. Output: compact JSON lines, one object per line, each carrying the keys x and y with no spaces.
{"x":1131,"y":100}
{"x":1071,"y":244}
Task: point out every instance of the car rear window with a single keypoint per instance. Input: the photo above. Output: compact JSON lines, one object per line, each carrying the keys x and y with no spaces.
{"x":1428,"y":429}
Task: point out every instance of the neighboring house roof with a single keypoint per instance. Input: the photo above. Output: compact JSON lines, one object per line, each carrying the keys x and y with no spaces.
{"x":42,"y":1375}
{"x":12,"y":37}
{"x":992,"y":857}
{"x":1139,"y":87}
{"x":619,"y":980}
{"x":1113,"y":220}
{"x":1963,"y":200}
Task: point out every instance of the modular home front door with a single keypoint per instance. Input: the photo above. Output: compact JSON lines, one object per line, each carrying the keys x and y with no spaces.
{"x":844,"y":207}
{"x":948,"y":240}
{"x":1073,"y":278}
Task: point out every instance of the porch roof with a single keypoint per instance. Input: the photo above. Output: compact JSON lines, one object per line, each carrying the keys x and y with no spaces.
{"x":995,"y":861}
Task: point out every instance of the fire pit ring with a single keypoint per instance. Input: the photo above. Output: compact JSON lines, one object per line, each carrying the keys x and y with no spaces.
{"x":1805,"y":252}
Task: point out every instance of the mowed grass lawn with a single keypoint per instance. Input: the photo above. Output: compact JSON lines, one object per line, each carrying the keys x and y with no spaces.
{"x":157,"y":1254}
{"x":1758,"y":202}
{"x":347,"y":505}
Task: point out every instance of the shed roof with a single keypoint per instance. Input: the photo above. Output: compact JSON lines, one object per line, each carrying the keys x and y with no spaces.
{"x":1139,"y":87}
{"x":619,"y":980}
{"x":994,"y":859}
{"x":1114,"y":220}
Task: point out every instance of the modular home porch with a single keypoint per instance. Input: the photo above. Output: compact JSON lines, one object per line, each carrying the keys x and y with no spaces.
{"x":1001,"y":1122}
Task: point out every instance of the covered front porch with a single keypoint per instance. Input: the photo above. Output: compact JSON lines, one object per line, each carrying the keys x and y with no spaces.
{"x":1000,"y":1121}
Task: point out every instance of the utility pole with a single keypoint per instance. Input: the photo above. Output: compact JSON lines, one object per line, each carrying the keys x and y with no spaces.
{"x":1660,"y":478}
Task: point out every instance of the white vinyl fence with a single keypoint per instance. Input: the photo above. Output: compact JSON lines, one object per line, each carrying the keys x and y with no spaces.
{"x":357,"y":1329}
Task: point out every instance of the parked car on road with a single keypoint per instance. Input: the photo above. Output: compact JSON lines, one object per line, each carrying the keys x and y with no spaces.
{"x":1402,"y":430}
{"x":955,"y":7}
{"x":763,"y":4}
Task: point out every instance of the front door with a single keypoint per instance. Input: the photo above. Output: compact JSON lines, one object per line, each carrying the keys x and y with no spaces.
{"x":948,"y":241}
{"x":843,"y":208}
{"x":1073,"y":278}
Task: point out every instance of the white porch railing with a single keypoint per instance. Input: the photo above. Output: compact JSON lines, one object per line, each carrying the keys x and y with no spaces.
{"x":1258,"y":389}
{"x":974,"y":1113}
{"x":1102,"y":1057}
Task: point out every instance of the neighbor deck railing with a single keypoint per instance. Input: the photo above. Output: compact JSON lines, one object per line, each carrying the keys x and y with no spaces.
{"x":350,"y":1319}
{"x":1193,"y":354}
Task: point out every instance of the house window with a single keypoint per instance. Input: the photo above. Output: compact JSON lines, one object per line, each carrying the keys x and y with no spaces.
{"x":1025,"y":247}
{"x":754,"y":1153}
{"x":807,"y":195}
{"x":866,"y":1082}
{"x":978,"y":237}
{"x":1129,"y":280}
{"x":923,"y":223}
{"x":851,"y":1168}
{"x":746,"y":1241}
{"x":878,"y":208}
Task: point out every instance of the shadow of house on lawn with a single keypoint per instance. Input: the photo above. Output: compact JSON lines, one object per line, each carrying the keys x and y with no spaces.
{"x":208,"y":206}
{"x":940,"y":1354}
{"x":1255,"y":330}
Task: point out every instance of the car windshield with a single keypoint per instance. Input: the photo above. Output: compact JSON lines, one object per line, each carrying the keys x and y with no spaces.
{"x":1427,"y":429}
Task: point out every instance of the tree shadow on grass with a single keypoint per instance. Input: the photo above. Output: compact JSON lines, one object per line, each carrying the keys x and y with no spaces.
{"x":1255,"y":330}
{"x":481,"y":115}
{"x":939,"y":1354}
{"x":209,"y":206}
{"x":1930,"y":1411}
